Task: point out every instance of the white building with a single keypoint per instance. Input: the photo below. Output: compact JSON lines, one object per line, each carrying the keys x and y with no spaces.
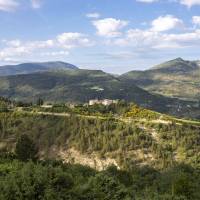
{"x":105,"y":102}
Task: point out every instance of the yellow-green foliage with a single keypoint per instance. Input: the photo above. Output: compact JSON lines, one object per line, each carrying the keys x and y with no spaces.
{"x":138,"y":112}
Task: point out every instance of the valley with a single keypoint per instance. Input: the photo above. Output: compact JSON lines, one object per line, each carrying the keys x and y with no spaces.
{"x":80,"y":85}
{"x":98,"y":127}
{"x":99,"y":100}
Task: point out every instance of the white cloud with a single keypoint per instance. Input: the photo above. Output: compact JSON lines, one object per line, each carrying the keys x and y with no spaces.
{"x":36,"y":3}
{"x":8,"y":5}
{"x":196,"y":20}
{"x":109,"y":27}
{"x":147,"y":1}
{"x":148,"y":39}
{"x":165,"y":23}
{"x":93,"y":15}
{"x":190,"y":3}
{"x":15,"y":48}
{"x":138,"y":38}
{"x":54,"y":47}
{"x":71,"y":40}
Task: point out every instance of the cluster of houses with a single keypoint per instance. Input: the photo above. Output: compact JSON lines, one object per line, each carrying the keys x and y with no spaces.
{"x":105,"y":102}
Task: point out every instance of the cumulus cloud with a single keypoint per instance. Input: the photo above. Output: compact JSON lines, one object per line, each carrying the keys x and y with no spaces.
{"x":148,"y":39}
{"x":93,"y":15}
{"x":159,"y":36}
{"x":8,"y":5}
{"x":72,"y":40}
{"x":165,"y":23}
{"x":55,"y":47}
{"x":109,"y":27}
{"x":15,"y":48}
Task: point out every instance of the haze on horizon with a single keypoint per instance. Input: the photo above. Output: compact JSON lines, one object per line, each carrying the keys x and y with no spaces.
{"x":96,"y":34}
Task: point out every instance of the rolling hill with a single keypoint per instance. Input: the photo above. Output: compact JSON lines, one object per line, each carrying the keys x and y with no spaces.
{"x":69,"y":85}
{"x":176,"y":78}
{"x":27,"y":68}
{"x":81,"y":86}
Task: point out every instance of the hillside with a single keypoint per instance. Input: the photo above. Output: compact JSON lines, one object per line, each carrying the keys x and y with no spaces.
{"x":176,"y":78}
{"x":139,"y":136}
{"x":65,"y":85}
{"x":138,"y":154}
{"x":27,"y":68}
{"x":83,"y":85}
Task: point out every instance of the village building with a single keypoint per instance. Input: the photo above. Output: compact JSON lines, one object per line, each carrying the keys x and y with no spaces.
{"x":105,"y":102}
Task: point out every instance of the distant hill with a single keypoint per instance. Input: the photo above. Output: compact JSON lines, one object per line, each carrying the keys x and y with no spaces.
{"x":176,"y":78}
{"x":81,"y":86}
{"x":69,"y":85}
{"x":27,"y":68}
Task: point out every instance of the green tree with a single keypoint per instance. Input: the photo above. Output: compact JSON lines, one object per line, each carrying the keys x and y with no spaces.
{"x":40,"y":102}
{"x":3,"y":107}
{"x":25,"y":149}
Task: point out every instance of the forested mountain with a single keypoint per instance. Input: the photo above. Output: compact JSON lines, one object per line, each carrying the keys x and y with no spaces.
{"x":69,"y":85}
{"x":176,"y":78}
{"x":27,"y":68}
{"x":81,"y":86}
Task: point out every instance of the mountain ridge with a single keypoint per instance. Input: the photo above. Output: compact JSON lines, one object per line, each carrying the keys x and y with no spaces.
{"x":82,"y":85}
{"x":33,"y":67}
{"x":169,"y":79}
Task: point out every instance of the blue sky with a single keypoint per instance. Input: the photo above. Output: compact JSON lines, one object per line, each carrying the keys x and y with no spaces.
{"x":113,"y":35}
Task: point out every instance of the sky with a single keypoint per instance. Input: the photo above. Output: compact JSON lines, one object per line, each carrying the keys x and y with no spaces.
{"x":112,"y":35}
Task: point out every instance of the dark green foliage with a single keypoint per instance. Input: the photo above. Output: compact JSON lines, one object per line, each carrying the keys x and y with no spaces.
{"x":3,"y":107}
{"x":25,"y":149}
{"x":4,"y":104}
{"x":106,"y":135}
{"x":85,"y":134}
{"x":53,"y":180}
{"x":40,"y":102}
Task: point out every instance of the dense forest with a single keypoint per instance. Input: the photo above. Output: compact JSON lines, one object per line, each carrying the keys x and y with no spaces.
{"x":54,"y":180}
